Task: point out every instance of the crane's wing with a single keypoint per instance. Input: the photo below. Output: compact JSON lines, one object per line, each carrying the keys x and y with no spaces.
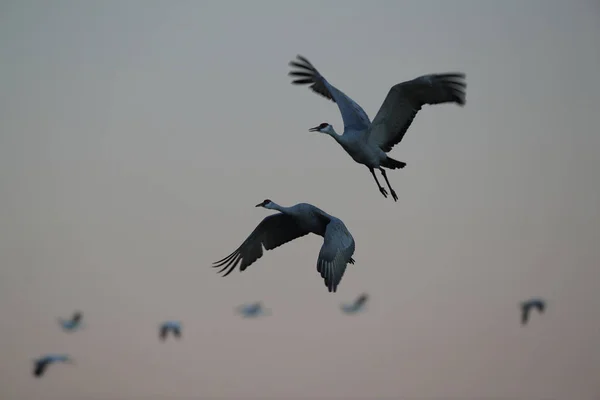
{"x":164,"y":329}
{"x":176,"y":331}
{"x":272,"y":232}
{"x":77,"y":317}
{"x":335,"y":254}
{"x":524,"y":314}
{"x":540,"y":305}
{"x":362,"y":299}
{"x":39,"y":368}
{"x":404,"y":101}
{"x":354,"y":117}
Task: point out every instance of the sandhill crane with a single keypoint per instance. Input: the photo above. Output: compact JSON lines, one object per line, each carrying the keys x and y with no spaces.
{"x":368,"y":142}
{"x":169,"y":326}
{"x":356,"y":306}
{"x":72,"y":324}
{"x":252,"y":310}
{"x":528,"y":305}
{"x":42,"y":363}
{"x":291,"y":223}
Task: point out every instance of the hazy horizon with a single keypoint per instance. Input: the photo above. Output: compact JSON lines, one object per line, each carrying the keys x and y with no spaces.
{"x":138,"y":136}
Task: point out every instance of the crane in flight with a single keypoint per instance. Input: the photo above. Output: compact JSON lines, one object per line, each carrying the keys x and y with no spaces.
{"x":169,"y":326}
{"x":528,"y":306}
{"x":368,"y":142}
{"x":41,"y":364}
{"x":289,"y":224}
{"x":70,"y":325}
{"x":252,"y":310}
{"x":356,"y":306}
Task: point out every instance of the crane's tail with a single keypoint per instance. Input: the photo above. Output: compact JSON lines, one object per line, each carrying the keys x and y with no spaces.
{"x":393,"y":164}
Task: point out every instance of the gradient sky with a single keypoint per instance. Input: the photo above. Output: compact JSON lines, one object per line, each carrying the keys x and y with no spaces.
{"x":137,"y":136}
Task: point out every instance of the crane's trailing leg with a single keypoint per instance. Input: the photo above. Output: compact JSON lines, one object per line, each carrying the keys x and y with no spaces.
{"x":388,"y":183}
{"x":381,"y":188}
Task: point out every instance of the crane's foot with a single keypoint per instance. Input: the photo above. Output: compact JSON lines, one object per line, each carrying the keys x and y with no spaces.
{"x":383,"y":191}
{"x":394,"y":196}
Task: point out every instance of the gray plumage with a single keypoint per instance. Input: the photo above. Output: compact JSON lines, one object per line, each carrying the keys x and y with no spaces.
{"x":41,"y":364}
{"x":289,"y":224}
{"x":368,"y":142}
{"x":356,"y":306}
{"x":169,"y":326}
{"x":70,"y":325}
{"x":527,"y":306}
{"x":252,"y":310}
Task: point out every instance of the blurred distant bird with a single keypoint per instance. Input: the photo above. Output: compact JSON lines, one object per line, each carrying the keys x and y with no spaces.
{"x":289,"y":224}
{"x":42,"y":363}
{"x":528,"y":305}
{"x":72,"y":324}
{"x":357,"y":306}
{"x":169,"y":326}
{"x":253,"y":310}
{"x":368,"y":142}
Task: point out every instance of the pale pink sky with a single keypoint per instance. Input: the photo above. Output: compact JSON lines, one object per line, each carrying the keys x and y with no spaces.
{"x":137,"y":136}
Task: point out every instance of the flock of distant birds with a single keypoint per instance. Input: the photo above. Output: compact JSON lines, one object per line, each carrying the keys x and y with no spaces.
{"x":251,"y":310}
{"x":166,"y":328}
{"x":366,"y":142}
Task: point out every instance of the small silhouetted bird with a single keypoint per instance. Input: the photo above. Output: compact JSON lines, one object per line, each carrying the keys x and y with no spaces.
{"x":42,"y":363}
{"x":253,"y":310}
{"x":528,"y":305}
{"x":72,"y":324}
{"x":357,"y":306}
{"x":169,"y":326}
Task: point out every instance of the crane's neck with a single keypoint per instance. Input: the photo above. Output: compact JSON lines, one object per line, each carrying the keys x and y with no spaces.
{"x":274,"y":206}
{"x":338,"y":138}
{"x":331,"y":132}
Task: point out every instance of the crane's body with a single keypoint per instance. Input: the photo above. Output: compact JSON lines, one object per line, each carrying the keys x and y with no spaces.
{"x":528,"y":306}
{"x":356,"y":306}
{"x":366,"y":141}
{"x":169,"y":326}
{"x":356,"y":144}
{"x":289,"y":224}
{"x":41,"y":364}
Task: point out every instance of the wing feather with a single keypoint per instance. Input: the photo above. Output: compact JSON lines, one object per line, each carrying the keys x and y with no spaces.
{"x":176,"y":331}
{"x":39,"y":368}
{"x":362,"y":299}
{"x":336,"y":252}
{"x":273,"y":231}
{"x":405,"y":100}
{"x":77,"y":316}
{"x":354,"y":117}
{"x":164,"y":329}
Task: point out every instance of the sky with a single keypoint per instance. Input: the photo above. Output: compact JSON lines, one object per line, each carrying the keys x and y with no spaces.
{"x":137,"y":136}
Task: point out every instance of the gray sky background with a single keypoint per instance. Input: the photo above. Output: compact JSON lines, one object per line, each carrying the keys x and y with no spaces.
{"x":137,"y":136}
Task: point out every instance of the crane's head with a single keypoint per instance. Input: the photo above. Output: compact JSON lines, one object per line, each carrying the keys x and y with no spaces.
{"x":266,"y":203}
{"x":323,"y":128}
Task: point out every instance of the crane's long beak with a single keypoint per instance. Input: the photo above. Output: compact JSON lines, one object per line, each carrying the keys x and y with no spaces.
{"x":315,"y":129}
{"x":259,"y":205}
